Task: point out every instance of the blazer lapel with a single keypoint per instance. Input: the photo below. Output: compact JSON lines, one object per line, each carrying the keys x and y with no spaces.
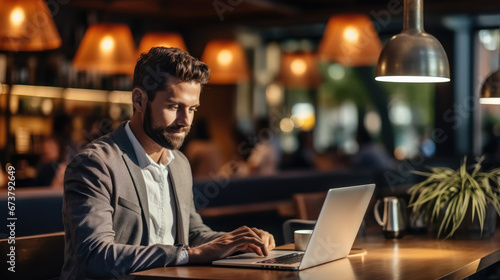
{"x":121,"y":139}
{"x":140,"y":187}
{"x":181,"y":197}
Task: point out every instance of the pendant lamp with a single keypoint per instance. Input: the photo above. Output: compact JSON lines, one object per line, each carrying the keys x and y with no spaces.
{"x":27,"y":26}
{"x":490,"y":90}
{"x":227,"y":62}
{"x":299,"y":70}
{"x":107,"y":49}
{"x":413,"y":56}
{"x":350,"y":40}
{"x":157,"y":39}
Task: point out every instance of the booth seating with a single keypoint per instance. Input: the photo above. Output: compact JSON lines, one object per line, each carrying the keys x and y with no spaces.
{"x":225,"y":204}
{"x":267,"y":202}
{"x":219,"y":192}
{"x":37,"y":209}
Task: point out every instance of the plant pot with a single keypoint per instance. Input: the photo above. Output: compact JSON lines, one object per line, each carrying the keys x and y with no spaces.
{"x":471,"y":229}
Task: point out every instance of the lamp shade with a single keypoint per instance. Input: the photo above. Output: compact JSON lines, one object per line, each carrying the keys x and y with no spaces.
{"x":490,"y":91}
{"x":299,"y":70}
{"x":157,"y":39}
{"x":27,"y":26}
{"x":106,"y":48}
{"x":350,"y":40}
{"x":227,"y":62}
{"x":413,"y":56}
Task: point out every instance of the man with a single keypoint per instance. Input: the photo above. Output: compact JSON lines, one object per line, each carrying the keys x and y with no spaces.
{"x":128,"y":201}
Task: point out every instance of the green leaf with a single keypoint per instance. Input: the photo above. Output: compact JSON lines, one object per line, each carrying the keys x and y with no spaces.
{"x":447,"y":194}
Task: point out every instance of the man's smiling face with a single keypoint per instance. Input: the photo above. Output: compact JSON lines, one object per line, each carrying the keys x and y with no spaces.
{"x":169,"y":116}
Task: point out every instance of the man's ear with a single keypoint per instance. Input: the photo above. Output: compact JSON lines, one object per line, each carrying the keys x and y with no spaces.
{"x":139,"y":99}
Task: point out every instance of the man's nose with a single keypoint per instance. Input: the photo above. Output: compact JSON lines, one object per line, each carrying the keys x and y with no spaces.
{"x":183,"y":118}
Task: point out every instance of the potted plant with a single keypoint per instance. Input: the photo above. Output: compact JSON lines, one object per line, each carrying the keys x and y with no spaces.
{"x":446,"y":197}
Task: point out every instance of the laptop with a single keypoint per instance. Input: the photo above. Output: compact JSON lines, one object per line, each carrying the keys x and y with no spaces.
{"x":332,"y":238}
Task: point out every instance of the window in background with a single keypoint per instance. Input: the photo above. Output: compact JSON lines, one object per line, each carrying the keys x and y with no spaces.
{"x":348,"y":116}
{"x":339,"y":97}
{"x":411,"y":113}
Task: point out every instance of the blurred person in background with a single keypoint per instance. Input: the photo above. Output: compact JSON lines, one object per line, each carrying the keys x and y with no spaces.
{"x":237,"y":165}
{"x":201,"y":151}
{"x":264,"y":156}
{"x":56,"y":151}
{"x":370,"y":154}
{"x":62,"y":133}
{"x":51,"y":170}
{"x":304,"y":157}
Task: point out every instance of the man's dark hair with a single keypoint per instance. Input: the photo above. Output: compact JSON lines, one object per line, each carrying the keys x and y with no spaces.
{"x":153,"y":68}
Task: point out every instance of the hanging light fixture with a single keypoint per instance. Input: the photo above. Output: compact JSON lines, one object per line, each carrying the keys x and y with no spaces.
{"x":27,"y":26}
{"x":299,"y":70}
{"x":490,"y":91}
{"x":413,"y":56}
{"x":156,"y":39}
{"x":106,"y":48}
{"x":227,"y":62}
{"x":350,"y":40}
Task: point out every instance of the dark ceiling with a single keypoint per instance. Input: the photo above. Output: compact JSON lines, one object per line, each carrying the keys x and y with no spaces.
{"x":266,"y":12}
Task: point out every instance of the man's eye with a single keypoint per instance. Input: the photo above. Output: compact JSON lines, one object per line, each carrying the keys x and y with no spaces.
{"x":173,"y":107}
{"x":194,"y":109}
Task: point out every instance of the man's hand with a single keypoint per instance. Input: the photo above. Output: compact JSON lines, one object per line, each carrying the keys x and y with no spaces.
{"x":243,"y":239}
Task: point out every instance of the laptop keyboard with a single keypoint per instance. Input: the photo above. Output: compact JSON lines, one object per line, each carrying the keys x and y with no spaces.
{"x":285,"y":259}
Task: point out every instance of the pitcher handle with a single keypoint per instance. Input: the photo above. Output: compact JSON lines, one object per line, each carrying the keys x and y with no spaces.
{"x":377,"y":215}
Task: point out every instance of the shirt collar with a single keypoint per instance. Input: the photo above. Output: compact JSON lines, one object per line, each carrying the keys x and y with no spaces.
{"x":143,"y":158}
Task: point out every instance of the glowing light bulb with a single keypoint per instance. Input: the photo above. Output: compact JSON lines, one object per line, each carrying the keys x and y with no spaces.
{"x":351,"y":34}
{"x":17,"y":16}
{"x":165,"y":44}
{"x":224,"y":57}
{"x":298,"y":66}
{"x":107,"y":44}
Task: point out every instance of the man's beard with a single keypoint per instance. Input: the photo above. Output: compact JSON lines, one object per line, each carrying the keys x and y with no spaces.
{"x":162,"y":135}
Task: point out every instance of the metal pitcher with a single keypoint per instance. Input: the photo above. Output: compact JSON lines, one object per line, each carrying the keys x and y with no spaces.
{"x":393,"y":221}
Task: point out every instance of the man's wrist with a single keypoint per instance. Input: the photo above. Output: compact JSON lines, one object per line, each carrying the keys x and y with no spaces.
{"x":183,"y":257}
{"x":194,"y":255}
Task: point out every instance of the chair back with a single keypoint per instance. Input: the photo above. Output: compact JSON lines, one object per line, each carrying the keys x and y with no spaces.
{"x":291,"y":225}
{"x":309,"y":205}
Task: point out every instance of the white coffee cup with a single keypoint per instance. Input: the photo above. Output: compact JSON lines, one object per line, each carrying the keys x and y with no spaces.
{"x":301,"y":238}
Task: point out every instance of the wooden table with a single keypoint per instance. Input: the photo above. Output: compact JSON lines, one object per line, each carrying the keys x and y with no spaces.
{"x":412,"y":257}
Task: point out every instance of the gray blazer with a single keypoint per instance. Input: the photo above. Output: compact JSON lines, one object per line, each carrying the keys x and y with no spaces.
{"x":105,"y":212}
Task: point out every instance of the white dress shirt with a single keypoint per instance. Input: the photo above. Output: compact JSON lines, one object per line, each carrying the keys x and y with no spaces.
{"x":160,"y":198}
{"x":161,"y":202}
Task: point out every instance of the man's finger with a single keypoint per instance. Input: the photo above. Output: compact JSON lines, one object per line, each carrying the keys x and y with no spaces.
{"x":257,"y":250}
{"x":254,"y":244}
{"x":266,"y":237}
{"x":252,"y":231}
{"x":271,"y":243}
